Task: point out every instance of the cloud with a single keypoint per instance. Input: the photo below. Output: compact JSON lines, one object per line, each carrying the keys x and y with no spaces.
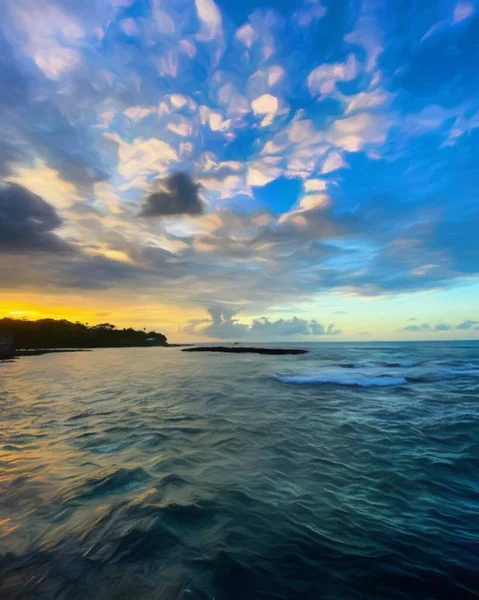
{"x":266,"y":105}
{"x":361,"y":129}
{"x":32,"y":122}
{"x":98,"y":100}
{"x":417,"y":328}
{"x":465,"y":325}
{"x":333,"y":162}
{"x":9,"y":155}
{"x":223,"y":324}
{"x":42,"y":24}
{"x":311,"y":11}
{"x":178,"y":195}
{"x":27,"y":222}
{"x":468,"y":324}
{"x":142,"y":158}
{"x":210,"y":20}
{"x":442,"y":327}
{"x":323,"y":79}
{"x":462,"y":11}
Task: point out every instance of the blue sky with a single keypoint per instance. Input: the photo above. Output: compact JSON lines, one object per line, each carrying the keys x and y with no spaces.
{"x":249,"y":169}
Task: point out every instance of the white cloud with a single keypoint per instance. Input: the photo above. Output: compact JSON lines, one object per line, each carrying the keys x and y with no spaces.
{"x":136,"y":113}
{"x":302,"y":145}
{"x":368,"y":35}
{"x":188,"y":48}
{"x":263,"y":80}
{"x":314,"y":185}
{"x":129,"y":26}
{"x":266,"y":105}
{"x":311,"y":11}
{"x":210,"y":20}
{"x":275,"y":74}
{"x":213,"y":119}
{"x":462,"y":11}
{"x":167,"y":63}
{"x":47,"y":183}
{"x":182,"y":129}
{"x":314,"y":201}
{"x":260,"y":173}
{"x":246,"y":34}
{"x":366,"y":100}
{"x":164,"y":23}
{"x":236,"y":104}
{"x":43,"y":24}
{"x":178,"y":100}
{"x":55,"y":60}
{"x":322,"y":80}
{"x":333,"y":162}
{"x":222,"y":323}
{"x":143,"y":157}
{"x":352,"y":133}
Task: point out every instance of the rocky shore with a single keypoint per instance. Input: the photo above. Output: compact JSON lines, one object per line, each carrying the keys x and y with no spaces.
{"x":246,"y":350}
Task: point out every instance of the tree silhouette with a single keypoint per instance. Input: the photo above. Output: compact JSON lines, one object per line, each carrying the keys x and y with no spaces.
{"x":60,"y":333}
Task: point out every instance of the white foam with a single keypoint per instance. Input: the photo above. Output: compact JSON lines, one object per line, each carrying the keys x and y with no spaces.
{"x":340,"y":379}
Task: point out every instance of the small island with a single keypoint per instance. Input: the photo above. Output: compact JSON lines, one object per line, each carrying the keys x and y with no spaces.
{"x":246,"y":350}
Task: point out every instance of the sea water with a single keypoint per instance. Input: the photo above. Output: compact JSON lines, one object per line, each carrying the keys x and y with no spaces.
{"x":351,"y":472}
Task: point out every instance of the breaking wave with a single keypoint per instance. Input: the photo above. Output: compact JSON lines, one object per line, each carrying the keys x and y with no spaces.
{"x":359,"y":380}
{"x":367,"y":376}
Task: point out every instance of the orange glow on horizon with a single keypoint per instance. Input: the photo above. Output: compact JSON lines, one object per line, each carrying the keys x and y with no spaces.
{"x":119,"y":310}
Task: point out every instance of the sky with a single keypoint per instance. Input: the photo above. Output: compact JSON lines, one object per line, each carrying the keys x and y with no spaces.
{"x":261,"y":169}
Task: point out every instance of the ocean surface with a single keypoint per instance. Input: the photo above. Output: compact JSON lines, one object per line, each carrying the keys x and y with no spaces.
{"x":348,"y":473}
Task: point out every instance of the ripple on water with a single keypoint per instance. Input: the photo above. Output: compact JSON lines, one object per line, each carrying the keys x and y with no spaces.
{"x":174,"y":476}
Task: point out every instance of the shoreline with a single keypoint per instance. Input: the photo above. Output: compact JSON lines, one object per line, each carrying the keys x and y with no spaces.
{"x":40,"y":351}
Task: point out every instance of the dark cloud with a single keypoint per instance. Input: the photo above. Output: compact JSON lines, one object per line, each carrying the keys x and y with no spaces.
{"x":468,"y":324}
{"x":73,"y":271}
{"x":223,"y":324}
{"x":9,"y":154}
{"x":442,"y":327}
{"x":416,"y":328}
{"x":178,"y":195}
{"x":27,"y":222}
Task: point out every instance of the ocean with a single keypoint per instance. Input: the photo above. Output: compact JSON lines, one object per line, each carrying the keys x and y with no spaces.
{"x":348,"y":473}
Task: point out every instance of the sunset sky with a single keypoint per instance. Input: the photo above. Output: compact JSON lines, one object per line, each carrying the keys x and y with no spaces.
{"x":257,"y":169}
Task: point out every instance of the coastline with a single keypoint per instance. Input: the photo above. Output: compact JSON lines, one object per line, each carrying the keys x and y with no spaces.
{"x":40,"y":351}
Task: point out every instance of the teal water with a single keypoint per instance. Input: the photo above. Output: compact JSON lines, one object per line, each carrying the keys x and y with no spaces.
{"x":351,"y":473}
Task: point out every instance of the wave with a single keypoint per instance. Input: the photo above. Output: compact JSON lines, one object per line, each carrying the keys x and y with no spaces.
{"x":474,"y":372}
{"x":451,"y":372}
{"x":357,"y":380}
{"x":118,"y":481}
{"x":403,"y":364}
{"x":370,"y":379}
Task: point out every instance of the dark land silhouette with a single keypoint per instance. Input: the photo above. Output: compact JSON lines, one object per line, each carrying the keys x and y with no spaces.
{"x":246,"y":350}
{"x":59,"y":334}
